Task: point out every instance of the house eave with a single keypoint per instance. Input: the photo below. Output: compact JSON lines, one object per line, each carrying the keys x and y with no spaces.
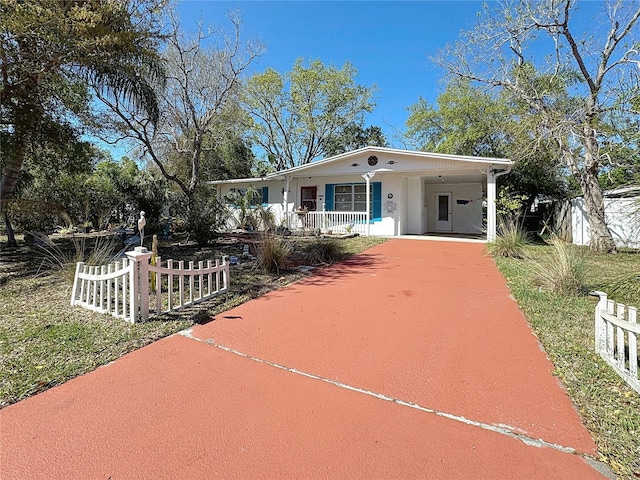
{"x":307,"y":169}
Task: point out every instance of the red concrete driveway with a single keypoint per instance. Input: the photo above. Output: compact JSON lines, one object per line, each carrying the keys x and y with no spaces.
{"x":408,"y":361}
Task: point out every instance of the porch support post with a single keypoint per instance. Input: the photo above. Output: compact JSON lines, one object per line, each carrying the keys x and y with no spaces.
{"x":285,"y":199}
{"x":368,"y":176}
{"x":491,"y":205}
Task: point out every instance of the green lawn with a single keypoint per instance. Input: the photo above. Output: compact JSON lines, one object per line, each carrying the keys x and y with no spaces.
{"x":565,"y":326}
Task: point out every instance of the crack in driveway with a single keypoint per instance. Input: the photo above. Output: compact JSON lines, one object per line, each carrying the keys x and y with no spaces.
{"x":501,"y":429}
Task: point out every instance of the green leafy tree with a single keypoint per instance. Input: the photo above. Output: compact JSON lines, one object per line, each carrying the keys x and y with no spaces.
{"x":52,"y":52}
{"x":120,"y":189}
{"x":465,"y":121}
{"x":354,"y":136}
{"x":471,"y":121}
{"x":296,"y":115}
{"x":51,"y":187}
{"x":575,"y":95}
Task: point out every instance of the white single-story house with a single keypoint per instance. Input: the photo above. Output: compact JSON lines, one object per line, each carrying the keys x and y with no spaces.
{"x":408,"y":192}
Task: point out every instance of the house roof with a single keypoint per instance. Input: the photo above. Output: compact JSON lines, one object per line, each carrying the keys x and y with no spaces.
{"x":627,"y":191}
{"x":395,"y":154}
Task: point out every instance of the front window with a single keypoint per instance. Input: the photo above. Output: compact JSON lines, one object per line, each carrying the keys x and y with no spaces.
{"x":351,"y":198}
{"x":251,"y":196}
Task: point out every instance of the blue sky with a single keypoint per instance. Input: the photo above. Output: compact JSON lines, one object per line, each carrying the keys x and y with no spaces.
{"x":389,"y":43}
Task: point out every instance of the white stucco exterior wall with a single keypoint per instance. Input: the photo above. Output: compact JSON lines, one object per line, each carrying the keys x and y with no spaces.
{"x":466,"y":218}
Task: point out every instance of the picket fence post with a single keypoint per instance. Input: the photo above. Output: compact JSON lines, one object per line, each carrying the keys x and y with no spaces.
{"x":139,"y":286}
{"x":600,"y":325}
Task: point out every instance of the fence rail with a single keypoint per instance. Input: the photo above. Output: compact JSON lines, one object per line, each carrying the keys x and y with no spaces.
{"x":123,"y":288}
{"x":616,"y":338}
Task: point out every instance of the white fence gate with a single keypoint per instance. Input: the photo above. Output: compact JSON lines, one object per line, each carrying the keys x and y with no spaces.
{"x":124,"y":288}
{"x":616,"y":332}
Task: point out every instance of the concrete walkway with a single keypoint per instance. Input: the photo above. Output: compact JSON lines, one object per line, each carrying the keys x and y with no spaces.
{"x":409,"y":360}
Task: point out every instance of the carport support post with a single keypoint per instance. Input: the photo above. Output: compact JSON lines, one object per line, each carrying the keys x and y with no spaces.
{"x":491,"y":205}
{"x":492,"y":174}
{"x":368,"y":176}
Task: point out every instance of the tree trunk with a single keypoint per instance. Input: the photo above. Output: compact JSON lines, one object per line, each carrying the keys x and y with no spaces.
{"x":12,"y":167}
{"x":601,"y":238}
{"x":8,"y":181}
{"x":11,"y":236}
{"x":13,"y":164}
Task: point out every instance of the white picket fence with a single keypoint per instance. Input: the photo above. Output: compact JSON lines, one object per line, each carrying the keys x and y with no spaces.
{"x":123,"y":288}
{"x":188,"y":286}
{"x":616,"y":335}
{"x":104,"y":289}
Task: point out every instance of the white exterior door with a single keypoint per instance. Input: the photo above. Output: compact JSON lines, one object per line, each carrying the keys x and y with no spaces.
{"x":443,"y":212}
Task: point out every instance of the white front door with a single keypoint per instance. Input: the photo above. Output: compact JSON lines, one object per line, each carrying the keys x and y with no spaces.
{"x":443,"y":212}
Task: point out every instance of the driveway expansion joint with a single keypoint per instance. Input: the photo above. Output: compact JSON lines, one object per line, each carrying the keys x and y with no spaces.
{"x":501,"y":429}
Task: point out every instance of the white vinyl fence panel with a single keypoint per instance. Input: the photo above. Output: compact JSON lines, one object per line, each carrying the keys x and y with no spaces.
{"x":123,"y":288}
{"x":104,"y":289}
{"x":616,"y":337}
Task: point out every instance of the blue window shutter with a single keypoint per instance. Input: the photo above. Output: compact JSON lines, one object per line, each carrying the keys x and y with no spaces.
{"x":328,"y":196}
{"x":377,"y":200}
{"x":265,"y":195}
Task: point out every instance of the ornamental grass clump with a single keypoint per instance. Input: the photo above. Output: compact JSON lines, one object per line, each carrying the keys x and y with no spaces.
{"x":511,"y":239}
{"x":626,"y":286}
{"x":563,"y":270}
{"x":64,"y":257}
{"x":324,"y":250}
{"x":273,"y":252}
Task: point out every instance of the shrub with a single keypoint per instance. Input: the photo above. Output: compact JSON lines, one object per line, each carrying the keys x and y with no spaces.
{"x":510,"y":240}
{"x":273,"y":253}
{"x":564,"y":270}
{"x":324,"y":250}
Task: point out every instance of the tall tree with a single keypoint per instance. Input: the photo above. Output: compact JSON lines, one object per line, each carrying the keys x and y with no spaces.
{"x":198,"y":110}
{"x":465,"y":121}
{"x":354,"y":136}
{"x":295,"y":115}
{"x":469,"y":120}
{"x":579,"y":87}
{"x":51,"y":50}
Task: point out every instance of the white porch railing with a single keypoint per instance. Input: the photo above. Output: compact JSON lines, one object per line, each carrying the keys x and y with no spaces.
{"x":616,"y":335}
{"x":336,"y":222}
{"x":122,"y":289}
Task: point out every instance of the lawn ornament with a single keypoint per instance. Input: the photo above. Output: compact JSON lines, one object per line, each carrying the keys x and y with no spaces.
{"x":141,"y":223}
